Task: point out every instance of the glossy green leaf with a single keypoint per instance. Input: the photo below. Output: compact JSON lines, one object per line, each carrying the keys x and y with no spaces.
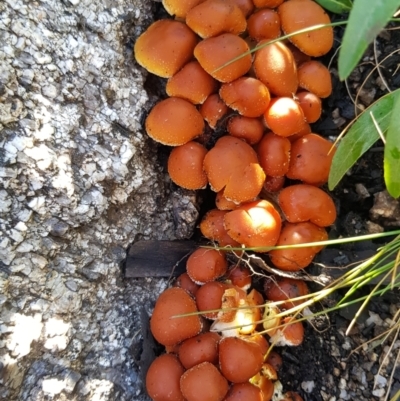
{"x":361,"y":136}
{"x":336,"y":6}
{"x":367,"y":18}
{"x":391,"y":162}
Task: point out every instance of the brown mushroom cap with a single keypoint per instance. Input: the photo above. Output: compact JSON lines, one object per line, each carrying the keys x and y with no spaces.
{"x":185,"y":166}
{"x":274,"y":66}
{"x":246,"y":6}
{"x":239,"y":360}
{"x":247,"y":95}
{"x":204,"y":382}
{"x":316,"y":78}
{"x":232,"y":164}
{"x":213,"y":53}
{"x":213,"y":17}
{"x":168,"y":331}
{"x":300,"y":14}
{"x":307,"y":203}
{"x":311,"y":159}
{"x":205,"y":265}
{"x":295,"y":259}
{"x":167,"y":56}
{"x":174,"y":122}
{"x":254,"y":224}
{"x":163,"y":379}
{"x":191,"y":83}
{"x":209,"y":297}
{"x":284,"y":289}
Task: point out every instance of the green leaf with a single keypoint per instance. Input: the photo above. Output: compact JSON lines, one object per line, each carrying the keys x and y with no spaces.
{"x":336,"y":6}
{"x":367,"y":18}
{"x":391,"y":161}
{"x":361,"y":136}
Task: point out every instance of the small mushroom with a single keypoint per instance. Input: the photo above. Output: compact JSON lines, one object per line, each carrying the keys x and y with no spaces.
{"x":185,"y":165}
{"x":284,"y":289}
{"x":205,"y":265}
{"x":239,"y":360}
{"x":285,"y":117}
{"x":199,"y":349}
{"x":254,"y":224}
{"x":316,"y":78}
{"x":247,"y":128}
{"x":244,"y":392}
{"x":213,"y":109}
{"x":191,"y":83}
{"x":179,"y":8}
{"x":174,"y":122}
{"x":165,"y":57}
{"x":232,"y":165}
{"x":294,"y":259}
{"x":300,"y":14}
{"x":247,"y":95}
{"x":163,"y":379}
{"x":214,"y":17}
{"x":203,"y":382}
{"x":274,"y":66}
{"x":303,"y":202}
{"x":310,"y":104}
{"x":311,"y":159}
{"x":170,"y":331}
{"x":291,"y":334}
{"x":214,"y":53}
{"x":264,"y":24}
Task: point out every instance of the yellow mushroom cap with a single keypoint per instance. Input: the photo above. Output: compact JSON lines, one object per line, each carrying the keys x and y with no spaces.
{"x":165,"y":47}
{"x":174,"y":122}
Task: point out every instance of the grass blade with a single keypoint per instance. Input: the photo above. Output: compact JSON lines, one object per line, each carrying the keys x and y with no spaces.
{"x":336,"y":6}
{"x":366,"y":20}
{"x":391,"y":161}
{"x":361,"y":136}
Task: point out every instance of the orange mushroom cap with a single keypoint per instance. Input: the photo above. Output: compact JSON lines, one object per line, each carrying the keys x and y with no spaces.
{"x":239,"y":360}
{"x":254,"y":224}
{"x":244,"y":392}
{"x":179,"y":8}
{"x":284,"y":289}
{"x":167,"y":331}
{"x":248,"y":128}
{"x":274,"y":66}
{"x":310,"y":104}
{"x":274,"y":154}
{"x":191,"y":83}
{"x":285,"y":117}
{"x":213,"y":109}
{"x":247,"y":95}
{"x":204,"y":382}
{"x":316,"y":78}
{"x":199,"y":349}
{"x":163,"y":379}
{"x":300,"y":14}
{"x":311,"y":159}
{"x":295,"y":259}
{"x":174,"y":122}
{"x":264,"y":24}
{"x":167,"y":56}
{"x":185,"y":165}
{"x":205,"y":265}
{"x":213,"y":53}
{"x":304,"y":202}
{"x":232,"y":164}
{"x":213,"y":17}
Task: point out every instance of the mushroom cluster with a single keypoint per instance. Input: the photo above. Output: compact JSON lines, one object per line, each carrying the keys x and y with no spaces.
{"x":210,"y":324}
{"x":264,"y":102}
